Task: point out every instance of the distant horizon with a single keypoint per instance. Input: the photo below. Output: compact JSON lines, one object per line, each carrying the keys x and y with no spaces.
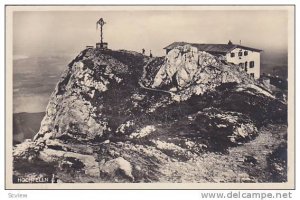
{"x":42,"y":33}
{"x":24,"y":56}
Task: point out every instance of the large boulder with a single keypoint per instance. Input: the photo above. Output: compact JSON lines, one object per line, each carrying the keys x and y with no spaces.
{"x":118,"y":165}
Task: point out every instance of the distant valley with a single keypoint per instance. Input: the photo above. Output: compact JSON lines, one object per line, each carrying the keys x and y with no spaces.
{"x":26,"y":125}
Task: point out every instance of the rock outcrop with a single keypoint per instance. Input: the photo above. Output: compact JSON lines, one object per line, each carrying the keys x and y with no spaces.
{"x":120,"y":116}
{"x":187,"y":71}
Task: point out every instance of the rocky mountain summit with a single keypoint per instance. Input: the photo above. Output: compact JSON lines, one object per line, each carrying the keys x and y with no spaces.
{"x":121,"y":116}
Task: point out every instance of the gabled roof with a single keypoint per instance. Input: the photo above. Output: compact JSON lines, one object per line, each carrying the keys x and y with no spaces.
{"x":216,"y":48}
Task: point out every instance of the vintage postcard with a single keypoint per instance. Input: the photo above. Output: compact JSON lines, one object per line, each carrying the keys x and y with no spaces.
{"x":150,"y":97}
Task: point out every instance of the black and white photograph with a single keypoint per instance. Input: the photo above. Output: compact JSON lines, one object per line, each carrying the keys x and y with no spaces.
{"x":169,"y":97}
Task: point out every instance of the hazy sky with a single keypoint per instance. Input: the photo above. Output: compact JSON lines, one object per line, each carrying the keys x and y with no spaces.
{"x":42,"y":33}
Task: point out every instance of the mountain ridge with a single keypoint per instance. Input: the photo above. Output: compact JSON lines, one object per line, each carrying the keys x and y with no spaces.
{"x":121,"y":116}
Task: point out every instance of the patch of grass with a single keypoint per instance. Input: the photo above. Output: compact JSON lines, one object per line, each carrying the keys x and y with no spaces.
{"x":277,"y":163}
{"x":35,"y":166}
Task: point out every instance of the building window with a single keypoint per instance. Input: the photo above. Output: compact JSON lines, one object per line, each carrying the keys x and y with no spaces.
{"x":246,"y":64}
{"x":240,"y":53}
{"x":252,"y":75}
{"x":245,"y":53}
{"x":232,"y":55}
{"x":251,"y":64}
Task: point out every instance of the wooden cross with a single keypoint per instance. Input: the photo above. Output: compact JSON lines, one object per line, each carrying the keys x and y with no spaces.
{"x":100,"y":22}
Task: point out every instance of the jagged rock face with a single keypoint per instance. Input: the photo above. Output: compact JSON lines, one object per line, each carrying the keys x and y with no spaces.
{"x":73,"y":108}
{"x":188,"y":71}
{"x":184,"y":64}
{"x":119,"y":116}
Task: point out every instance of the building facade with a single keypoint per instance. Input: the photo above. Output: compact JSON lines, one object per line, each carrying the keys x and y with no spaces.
{"x":247,"y":58}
